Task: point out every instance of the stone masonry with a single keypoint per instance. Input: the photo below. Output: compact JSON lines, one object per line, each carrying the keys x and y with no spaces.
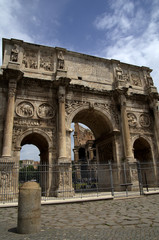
{"x":44,"y":89}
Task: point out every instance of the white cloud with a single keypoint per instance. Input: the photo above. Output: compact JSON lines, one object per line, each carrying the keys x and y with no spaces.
{"x":133,"y":35}
{"x":10,"y":24}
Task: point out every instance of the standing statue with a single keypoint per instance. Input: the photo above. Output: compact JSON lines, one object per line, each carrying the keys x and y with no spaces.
{"x":60,"y":60}
{"x":14,"y":53}
{"x":119,"y":72}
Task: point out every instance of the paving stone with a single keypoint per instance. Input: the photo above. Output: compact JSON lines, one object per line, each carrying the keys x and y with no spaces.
{"x":95,"y":220}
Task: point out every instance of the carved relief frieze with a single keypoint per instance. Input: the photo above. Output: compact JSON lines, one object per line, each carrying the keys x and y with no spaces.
{"x":126,"y":78}
{"x":136,"y":79}
{"x":25,"y":109}
{"x":122,"y":76}
{"x":46,"y":61}
{"x":30,"y":59}
{"x":144,"y":120}
{"x":132,"y":119}
{"x":45,"y":111}
{"x":27,"y":122}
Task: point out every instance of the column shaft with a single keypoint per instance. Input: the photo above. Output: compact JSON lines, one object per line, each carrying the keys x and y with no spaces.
{"x":62,"y":128}
{"x":8,"y":130}
{"x":126,"y":133}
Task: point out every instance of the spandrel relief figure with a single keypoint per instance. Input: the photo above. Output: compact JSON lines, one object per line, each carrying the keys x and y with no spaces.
{"x":14,"y":53}
{"x":132,"y":120}
{"x":144,"y":120}
{"x":60,"y":60}
{"x":33,"y":64}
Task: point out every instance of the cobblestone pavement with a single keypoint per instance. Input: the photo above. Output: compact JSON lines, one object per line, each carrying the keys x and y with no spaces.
{"x":136,"y":218}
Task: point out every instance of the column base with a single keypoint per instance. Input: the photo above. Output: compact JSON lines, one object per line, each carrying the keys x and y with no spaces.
{"x":134,"y":175}
{"x":65,"y":188}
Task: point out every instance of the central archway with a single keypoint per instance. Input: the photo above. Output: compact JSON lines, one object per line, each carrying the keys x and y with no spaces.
{"x":102,"y":129}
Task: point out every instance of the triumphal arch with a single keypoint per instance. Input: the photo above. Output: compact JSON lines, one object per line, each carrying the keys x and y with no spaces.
{"x":44,"y":89}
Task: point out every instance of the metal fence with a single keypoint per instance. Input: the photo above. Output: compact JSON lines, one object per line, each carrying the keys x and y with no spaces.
{"x":79,"y":181}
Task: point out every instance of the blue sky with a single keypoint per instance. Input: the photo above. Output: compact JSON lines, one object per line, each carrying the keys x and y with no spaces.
{"x":126,"y":30}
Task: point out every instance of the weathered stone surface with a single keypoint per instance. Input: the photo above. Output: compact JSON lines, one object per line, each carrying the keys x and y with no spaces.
{"x":45,"y":89}
{"x":29,"y":208}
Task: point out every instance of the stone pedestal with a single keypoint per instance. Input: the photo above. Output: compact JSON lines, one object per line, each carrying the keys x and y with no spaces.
{"x":134,"y":177}
{"x":7,"y":180}
{"x":65,"y":181}
{"x":29,"y":208}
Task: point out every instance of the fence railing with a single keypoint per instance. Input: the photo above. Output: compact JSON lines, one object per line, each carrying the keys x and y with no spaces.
{"x":79,"y":181}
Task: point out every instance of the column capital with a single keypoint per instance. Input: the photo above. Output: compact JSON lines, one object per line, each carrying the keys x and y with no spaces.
{"x":12,"y":85}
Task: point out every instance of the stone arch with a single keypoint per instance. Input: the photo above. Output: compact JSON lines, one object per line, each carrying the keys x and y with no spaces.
{"x":111,"y":121}
{"x":28,"y":132}
{"x":143,"y":154}
{"x":102,"y":127}
{"x":142,"y":149}
{"x":41,"y":140}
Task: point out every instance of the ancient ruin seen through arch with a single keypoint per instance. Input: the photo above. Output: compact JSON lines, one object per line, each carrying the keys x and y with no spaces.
{"x":102,"y":138}
{"x":44,"y":89}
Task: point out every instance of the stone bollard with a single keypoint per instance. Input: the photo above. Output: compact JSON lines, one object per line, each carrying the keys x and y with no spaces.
{"x":29,"y":208}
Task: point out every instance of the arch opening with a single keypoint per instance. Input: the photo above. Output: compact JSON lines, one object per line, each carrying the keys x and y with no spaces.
{"x":143,"y":154}
{"x":93,"y":149}
{"x":39,"y":172}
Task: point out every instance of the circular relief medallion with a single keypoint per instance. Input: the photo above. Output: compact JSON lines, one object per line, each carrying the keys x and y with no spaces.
{"x":46,"y":111}
{"x":132,"y":120}
{"x":25,"y":109}
{"x":144,"y":120}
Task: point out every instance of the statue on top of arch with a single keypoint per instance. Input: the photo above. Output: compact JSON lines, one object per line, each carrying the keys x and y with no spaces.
{"x":14,"y":53}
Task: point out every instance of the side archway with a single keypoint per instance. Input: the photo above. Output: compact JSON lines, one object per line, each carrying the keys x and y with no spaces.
{"x":43,"y":142}
{"x":143,"y":154}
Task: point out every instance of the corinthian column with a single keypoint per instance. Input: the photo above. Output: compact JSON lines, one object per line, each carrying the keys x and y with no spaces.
{"x":154,"y":107}
{"x":62,"y":128}
{"x":125,"y":131}
{"x":8,"y":129}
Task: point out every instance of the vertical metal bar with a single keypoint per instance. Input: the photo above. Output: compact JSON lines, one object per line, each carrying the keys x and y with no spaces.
{"x":147,"y":188}
{"x":125,"y":178}
{"x":111,"y":178}
{"x":97,"y":179}
{"x":45,"y":172}
{"x":140,"y":177}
